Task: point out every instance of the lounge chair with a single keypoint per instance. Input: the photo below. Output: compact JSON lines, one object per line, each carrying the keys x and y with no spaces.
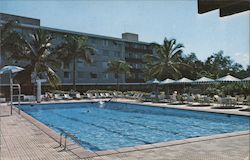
{"x":190,"y":99}
{"x":48,"y":96}
{"x":102,"y":95}
{"x":96,"y":95}
{"x":58,"y":97}
{"x":115,"y":94}
{"x":2,"y":100}
{"x":90,"y":95}
{"x":75,"y":96}
{"x":29,"y":98}
{"x":108,"y":95}
{"x":226,"y":103}
{"x":66,"y":96}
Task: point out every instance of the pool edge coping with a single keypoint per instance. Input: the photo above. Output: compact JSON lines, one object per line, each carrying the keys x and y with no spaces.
{"x":80,"y":152}
{"x":151,"y":104}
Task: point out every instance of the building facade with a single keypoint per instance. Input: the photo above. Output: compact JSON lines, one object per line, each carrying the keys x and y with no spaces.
{"x":127,"y":48}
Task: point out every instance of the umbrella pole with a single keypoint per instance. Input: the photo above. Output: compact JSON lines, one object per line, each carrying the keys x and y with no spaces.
{"x":11,"y":93}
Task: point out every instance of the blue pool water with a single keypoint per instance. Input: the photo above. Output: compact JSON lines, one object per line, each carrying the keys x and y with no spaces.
{"x":116,"y":125}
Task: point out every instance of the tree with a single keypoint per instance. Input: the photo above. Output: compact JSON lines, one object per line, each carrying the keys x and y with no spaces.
{"x":166,"y":62}
{"x":219,"y":65}
{"x":72,"y":48}
{"x":196,"y":65}
{"x":118,"y":67}
{"x":35,"y":50}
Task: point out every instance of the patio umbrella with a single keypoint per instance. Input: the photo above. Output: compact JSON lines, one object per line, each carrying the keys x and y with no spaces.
{"x":183,"y":81}
{"x":167,"y":81}
{"x":228,"y":78}
{"x":10,"y":70}
{"x":204,"y":80}
{"x":153,"y":81}
{"x":246,"y":79}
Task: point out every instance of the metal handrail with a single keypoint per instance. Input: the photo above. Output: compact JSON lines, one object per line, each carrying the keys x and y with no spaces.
{"x":19,"y":94}
{"x":67,"y":134}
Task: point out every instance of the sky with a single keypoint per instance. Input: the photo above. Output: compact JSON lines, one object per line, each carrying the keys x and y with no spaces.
{"x":153,"y":20}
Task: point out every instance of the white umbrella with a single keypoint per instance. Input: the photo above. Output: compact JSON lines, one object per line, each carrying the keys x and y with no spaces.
{"x":228,"y":78}
{"x":153,"y":81}
{"x":167,"y":81}
{"x":10,"y":70}
{"x":184,"y":80}
{"x":204,"y":80}
{"x":246,"y":79}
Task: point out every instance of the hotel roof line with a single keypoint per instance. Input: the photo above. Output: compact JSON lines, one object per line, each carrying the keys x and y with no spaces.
{"x":73,"y":32}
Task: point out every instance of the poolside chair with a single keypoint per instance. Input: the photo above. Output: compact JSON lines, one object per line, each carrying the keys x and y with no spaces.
{"x":96,"y":95}
{"x":48,"y":96}
{"x":2,"y":100}
{"x":102,"y":95}
{"x":140,"y":97}
{"x":108,"y":95}
{"x":58,"y":97}
{"x":190,"y":99}
{"x":75,"y":95}
{"x":247,"y":102}
{"x":115,"y":94}
{"x":240,"y":100}
{"x":66,"y":96}
{"x":29,"y":98}
{"x":173,"y":98}
{"x":90,"y":95}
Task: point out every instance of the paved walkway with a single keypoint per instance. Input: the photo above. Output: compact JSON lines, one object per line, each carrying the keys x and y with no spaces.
{"x":232,"y":148}
{"x":22,"y":140}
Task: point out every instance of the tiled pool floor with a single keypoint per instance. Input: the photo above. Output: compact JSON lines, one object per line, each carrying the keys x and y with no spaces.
{"x":20,"y":139}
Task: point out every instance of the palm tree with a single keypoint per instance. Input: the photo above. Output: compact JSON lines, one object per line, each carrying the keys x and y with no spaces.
{"x":36,"y":51}
{"x":166,"y":62}
{"x":72,"y":48}
{"x":118,"y":67}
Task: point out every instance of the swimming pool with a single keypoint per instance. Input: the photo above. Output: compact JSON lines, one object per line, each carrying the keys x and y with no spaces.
{"x":114,"y":125}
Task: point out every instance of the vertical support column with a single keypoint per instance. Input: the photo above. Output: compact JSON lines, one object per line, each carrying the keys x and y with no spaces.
{"x":19,"y":97}
{"x":38,"y":93}
{"x":11,"y":93}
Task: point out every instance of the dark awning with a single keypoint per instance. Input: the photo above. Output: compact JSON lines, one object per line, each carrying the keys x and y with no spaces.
{"x":226,"y":7}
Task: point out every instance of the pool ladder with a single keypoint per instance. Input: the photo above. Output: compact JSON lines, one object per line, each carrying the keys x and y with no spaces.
{"x":66,"y":134}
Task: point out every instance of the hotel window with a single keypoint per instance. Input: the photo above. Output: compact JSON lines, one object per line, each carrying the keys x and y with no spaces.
{"x":93,"y":75}
{"x":80,"y":63}
{"x":106,"y":76}
{"x":80,"y":74}
{"x":66,"y":75}
{"x":105,"y":43}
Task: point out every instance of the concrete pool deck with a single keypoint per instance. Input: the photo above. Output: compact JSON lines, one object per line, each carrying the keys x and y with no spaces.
{"x":21,"y":139}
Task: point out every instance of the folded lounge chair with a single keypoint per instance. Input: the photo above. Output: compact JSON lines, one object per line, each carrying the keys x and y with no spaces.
{"x":90,"y":95}
{"x":102,"y":95}
{"x":66,"y":96}
{"x":108,"y":95}
{"x":58,"y":97}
